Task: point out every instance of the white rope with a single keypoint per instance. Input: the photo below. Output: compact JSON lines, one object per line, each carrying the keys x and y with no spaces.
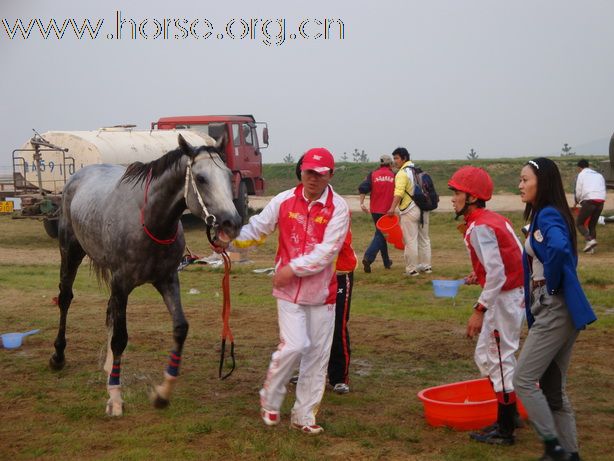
{"x":189,"y":177}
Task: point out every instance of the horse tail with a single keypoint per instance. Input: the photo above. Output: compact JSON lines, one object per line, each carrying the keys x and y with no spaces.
{"x":103,"y":274}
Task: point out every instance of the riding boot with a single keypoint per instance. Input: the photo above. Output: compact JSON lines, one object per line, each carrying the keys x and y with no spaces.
{"x":503,"y":432}
{"x":506,"y":417}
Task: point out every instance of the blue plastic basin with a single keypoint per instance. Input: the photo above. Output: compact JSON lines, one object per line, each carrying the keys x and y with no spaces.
{"x":446,"y":288}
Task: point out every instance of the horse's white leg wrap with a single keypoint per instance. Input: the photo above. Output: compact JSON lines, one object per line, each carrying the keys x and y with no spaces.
{"x":115,"y":404}
{"x":165,"y":389}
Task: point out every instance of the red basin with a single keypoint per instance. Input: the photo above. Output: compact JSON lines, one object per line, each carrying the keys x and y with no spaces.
{"x":464,"y":406}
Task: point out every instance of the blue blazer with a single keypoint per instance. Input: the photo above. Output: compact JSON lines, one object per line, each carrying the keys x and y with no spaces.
{"x":550,"y":241}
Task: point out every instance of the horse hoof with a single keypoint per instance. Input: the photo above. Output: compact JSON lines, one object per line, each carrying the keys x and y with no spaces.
{"x":55,"y":363}
{"x":115,"y":408}
{"x":159,"y":402}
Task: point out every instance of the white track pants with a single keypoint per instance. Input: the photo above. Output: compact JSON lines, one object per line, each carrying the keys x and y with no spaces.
{"x":506,"y":317}
{"x":306,"y":334}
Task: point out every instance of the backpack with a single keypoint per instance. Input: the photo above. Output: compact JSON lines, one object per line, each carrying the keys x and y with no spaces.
{"x":424,"y":195}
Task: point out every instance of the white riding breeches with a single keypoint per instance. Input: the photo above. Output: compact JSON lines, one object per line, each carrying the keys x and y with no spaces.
{"x":506,"y":317}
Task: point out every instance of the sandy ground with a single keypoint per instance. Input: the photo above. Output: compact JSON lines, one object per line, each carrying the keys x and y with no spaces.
{"x":499,"y":203}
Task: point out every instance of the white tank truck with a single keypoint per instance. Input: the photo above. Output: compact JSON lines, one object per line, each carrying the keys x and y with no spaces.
{"x":42,"y":165}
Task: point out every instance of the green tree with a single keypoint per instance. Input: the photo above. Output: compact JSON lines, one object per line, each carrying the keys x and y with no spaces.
{"x":360,"y":157}
{"x":344,"y":157}
{"x":566,"y":151}
{"x":472,"y":155}
{"x":289,"y":158}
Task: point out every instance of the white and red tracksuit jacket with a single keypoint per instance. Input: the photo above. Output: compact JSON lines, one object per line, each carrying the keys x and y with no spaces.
{"x":310,"y":236}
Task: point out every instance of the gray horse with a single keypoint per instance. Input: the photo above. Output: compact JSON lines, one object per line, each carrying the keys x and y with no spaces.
{"x":127,"y":222}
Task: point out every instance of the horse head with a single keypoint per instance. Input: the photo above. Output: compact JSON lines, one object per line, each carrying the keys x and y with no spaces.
{"x":208,"y":189}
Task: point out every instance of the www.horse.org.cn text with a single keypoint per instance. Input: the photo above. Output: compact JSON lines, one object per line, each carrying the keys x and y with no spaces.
{"x":268,"y":31}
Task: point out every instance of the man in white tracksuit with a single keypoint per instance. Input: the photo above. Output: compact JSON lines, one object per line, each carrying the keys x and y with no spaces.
{"x":313,"y":221}
{"x":496,"y":257}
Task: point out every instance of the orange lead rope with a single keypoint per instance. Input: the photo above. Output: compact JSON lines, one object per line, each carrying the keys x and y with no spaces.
{"x":226,"y":332}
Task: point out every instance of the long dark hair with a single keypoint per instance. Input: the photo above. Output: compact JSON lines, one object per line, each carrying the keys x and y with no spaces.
{"x":550,"y":192}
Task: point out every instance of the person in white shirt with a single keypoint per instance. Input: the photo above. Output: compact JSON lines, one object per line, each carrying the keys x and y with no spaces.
{"x":590,"y":193}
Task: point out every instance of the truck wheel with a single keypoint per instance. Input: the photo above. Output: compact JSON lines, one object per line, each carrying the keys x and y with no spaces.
{"x":51,"y":227}
{"x":242,"y":202}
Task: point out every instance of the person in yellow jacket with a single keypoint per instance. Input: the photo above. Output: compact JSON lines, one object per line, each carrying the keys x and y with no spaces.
{"x":414,"y":222}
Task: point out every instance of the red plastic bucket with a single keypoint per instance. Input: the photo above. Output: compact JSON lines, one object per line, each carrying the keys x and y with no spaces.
{"x":463,"y":406}
{"x":389,"y":226}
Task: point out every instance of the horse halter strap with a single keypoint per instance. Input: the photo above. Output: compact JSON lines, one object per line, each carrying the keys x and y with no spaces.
{"x":147,"y":231}
{"x":189,"y":179}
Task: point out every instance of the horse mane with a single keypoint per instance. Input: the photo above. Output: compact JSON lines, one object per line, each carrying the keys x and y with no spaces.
{"x":137,"y":172}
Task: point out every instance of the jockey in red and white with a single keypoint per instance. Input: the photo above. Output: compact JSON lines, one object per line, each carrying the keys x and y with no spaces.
{"x":496,"y":257}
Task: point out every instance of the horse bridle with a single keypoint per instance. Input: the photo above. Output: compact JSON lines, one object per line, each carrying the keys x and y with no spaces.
{"x":208,"y":218}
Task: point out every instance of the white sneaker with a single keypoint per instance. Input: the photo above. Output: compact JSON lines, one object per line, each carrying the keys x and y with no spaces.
{"x":270,"y":418}
{"x":590,"y":245}
{"x":413,"y":273}
{"x":314,"y":429}
{"x":341,"y":388}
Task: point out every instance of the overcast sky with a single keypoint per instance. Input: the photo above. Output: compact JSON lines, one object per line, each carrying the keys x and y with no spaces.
{"x":440,"y":77}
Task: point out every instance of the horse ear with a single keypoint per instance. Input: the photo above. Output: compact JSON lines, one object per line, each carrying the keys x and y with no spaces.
{"x":220,"y":142}
{"x":185,"y":146}
{"x":220,"y":145}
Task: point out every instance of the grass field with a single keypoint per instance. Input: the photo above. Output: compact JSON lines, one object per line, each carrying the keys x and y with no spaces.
{"x":504,"y":172}
{"x":403,"y":340}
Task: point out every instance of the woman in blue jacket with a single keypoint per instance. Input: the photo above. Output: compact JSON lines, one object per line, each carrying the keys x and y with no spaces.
{"x":556,"y":309}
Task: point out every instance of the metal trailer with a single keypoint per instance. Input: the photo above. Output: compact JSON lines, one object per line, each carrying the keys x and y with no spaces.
{"x":42,"y":165}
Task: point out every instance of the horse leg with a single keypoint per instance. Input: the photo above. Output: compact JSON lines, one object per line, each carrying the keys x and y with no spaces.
{"x":118,"y":339}
{"x":169,"y":289}
{"x":72,"y":254}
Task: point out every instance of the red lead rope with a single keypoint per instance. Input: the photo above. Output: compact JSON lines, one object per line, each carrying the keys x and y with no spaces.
{"x":226,"y":332}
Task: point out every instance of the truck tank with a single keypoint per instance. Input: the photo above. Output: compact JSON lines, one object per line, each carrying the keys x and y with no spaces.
{"x":116,"y":145}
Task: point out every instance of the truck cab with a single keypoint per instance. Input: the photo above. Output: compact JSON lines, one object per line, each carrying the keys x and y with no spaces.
{"x":241,"y":148}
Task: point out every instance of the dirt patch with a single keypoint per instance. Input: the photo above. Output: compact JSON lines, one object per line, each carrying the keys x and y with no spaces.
{"x":29,"y":257}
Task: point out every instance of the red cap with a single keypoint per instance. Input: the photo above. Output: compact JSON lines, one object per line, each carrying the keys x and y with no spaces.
{"x":319,"y":160}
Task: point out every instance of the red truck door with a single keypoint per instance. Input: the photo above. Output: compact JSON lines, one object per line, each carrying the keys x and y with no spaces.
{"x":246,"y":150}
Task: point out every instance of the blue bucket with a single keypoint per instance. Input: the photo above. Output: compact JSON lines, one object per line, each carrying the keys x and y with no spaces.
{"x":446,"y":288}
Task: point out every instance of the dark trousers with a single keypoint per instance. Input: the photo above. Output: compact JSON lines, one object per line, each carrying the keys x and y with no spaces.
{"x":378,"y":244}
{"x":339,"y":363}
{"x":590,"y":210}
